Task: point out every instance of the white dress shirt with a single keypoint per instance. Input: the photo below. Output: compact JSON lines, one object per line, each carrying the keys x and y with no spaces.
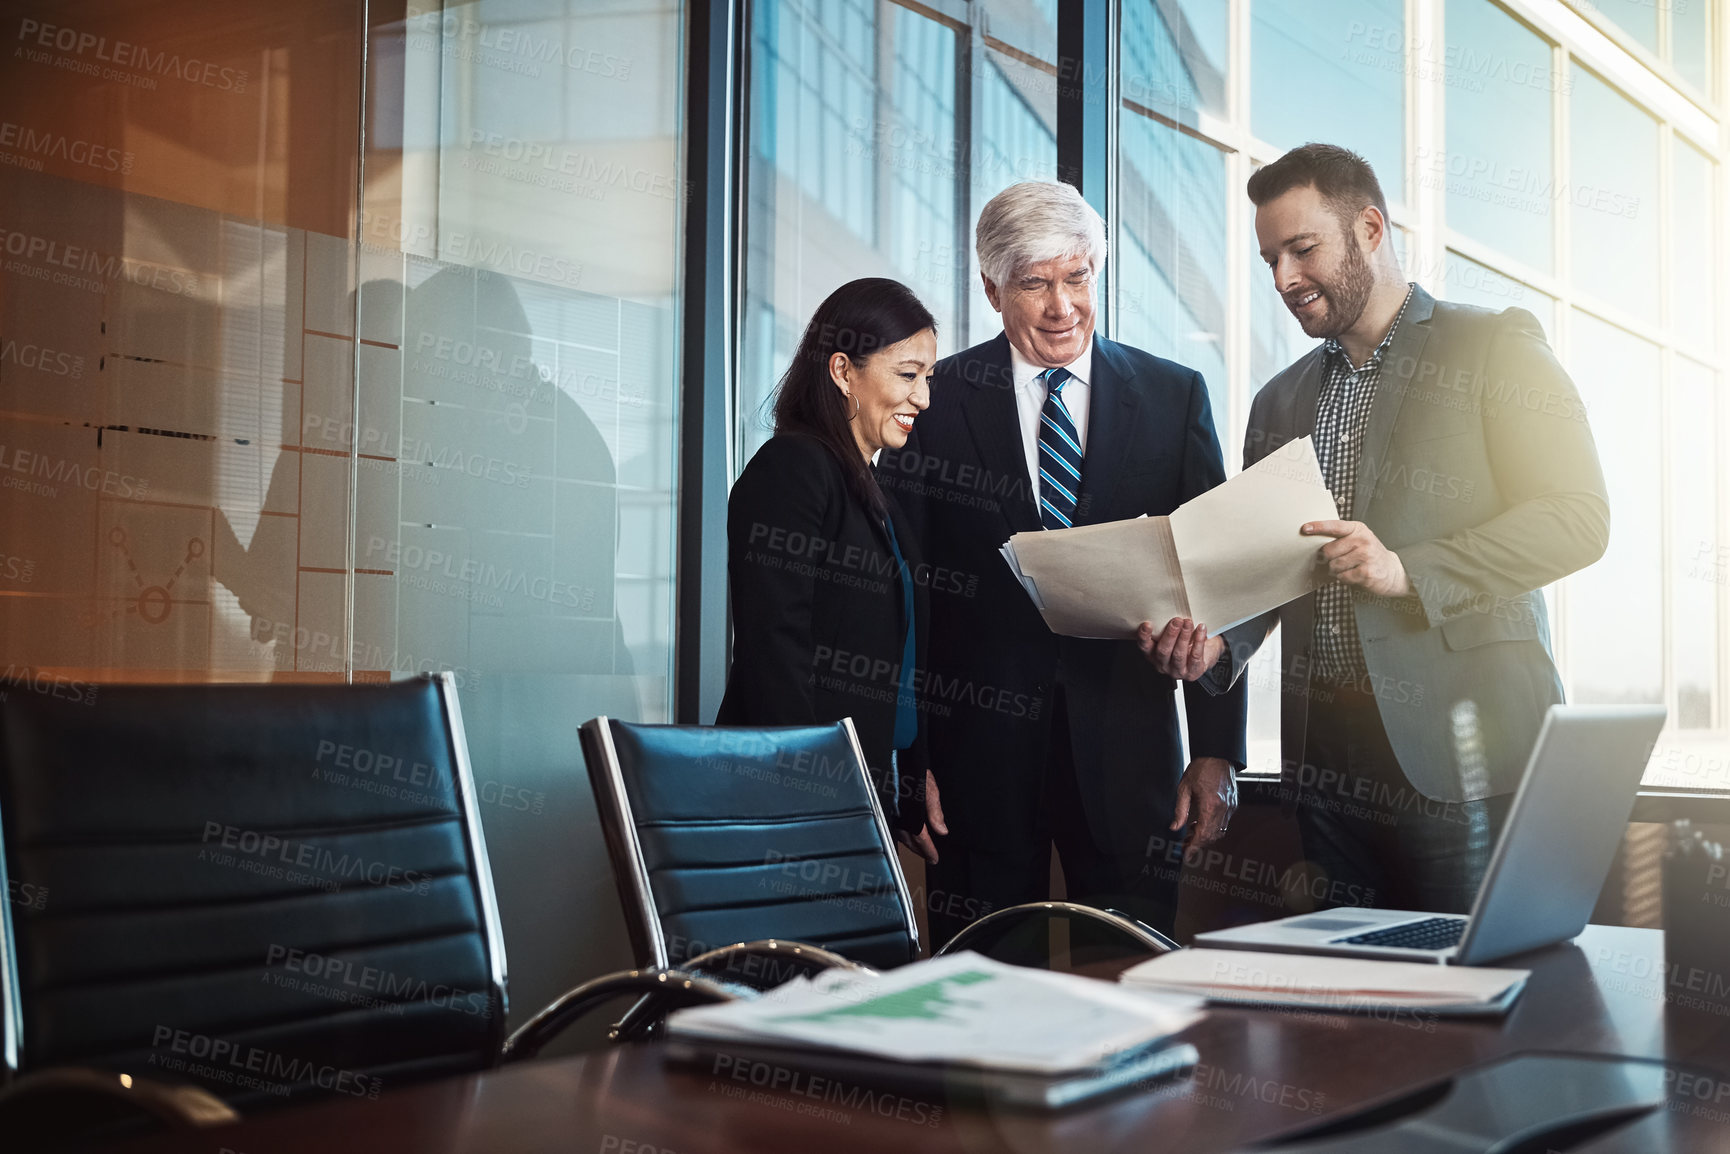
{"x":1030,"y":393}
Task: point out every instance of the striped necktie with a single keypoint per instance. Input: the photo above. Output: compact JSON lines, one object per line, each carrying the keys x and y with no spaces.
{"x":1059,"y":455}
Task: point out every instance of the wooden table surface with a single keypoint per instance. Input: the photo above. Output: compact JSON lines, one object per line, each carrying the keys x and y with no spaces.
{"x":1262,"y":1073}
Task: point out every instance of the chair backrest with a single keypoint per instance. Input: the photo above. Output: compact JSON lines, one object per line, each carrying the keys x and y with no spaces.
{"x":266,"y":890}
{"x":722,"y":835}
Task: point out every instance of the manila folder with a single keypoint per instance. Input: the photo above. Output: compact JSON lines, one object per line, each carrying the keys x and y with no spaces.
{"x":1239,"y":545}
{"x":1102,"y":580}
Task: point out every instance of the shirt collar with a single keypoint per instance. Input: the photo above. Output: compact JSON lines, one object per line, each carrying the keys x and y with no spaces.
{"x":1335,"y":349}
{"x":1026,"y":373}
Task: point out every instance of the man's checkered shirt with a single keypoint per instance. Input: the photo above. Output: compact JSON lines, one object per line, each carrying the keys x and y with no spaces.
{"x":1342,"y":415}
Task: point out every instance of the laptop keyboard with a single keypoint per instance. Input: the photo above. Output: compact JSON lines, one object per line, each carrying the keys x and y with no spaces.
{"x":1429,"y":934}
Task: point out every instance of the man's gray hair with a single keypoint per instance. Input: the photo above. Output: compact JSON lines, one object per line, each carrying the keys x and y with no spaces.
{"x":1036,"y":221}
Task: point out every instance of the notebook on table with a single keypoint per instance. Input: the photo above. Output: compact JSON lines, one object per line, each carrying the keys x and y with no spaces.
{"x":957,"y":1026}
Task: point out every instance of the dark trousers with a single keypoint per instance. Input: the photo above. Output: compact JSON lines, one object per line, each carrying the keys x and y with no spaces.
{"x":1372,"y":837}
{"x":966,"y":884}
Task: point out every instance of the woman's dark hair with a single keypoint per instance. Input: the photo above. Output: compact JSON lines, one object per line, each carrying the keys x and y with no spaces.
{"x":861,"y":318}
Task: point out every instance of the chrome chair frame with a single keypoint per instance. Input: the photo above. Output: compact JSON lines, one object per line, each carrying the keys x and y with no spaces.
{"x":649,"y":940}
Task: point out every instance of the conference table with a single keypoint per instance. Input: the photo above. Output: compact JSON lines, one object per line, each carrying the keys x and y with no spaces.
{"x":1263,"y":1073}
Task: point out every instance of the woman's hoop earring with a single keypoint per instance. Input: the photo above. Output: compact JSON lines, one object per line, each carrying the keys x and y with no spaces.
{"x":856,"y":406}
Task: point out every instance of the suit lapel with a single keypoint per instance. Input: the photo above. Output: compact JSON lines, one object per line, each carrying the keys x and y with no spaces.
{"x":1113,"y":404}
{"x":1398,"y":365}
{"x":1309,"y":391}
{"x":995,"y":425}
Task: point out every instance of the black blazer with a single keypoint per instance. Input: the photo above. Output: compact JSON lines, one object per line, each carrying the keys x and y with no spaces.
{"x":819,"y":624}
{"x":993,"y":663}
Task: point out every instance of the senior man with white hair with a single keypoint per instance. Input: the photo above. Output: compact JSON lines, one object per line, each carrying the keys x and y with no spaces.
{"x":1036,"y":739}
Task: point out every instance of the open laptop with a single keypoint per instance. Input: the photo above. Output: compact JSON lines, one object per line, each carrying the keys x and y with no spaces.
{"x":1555,"y":850}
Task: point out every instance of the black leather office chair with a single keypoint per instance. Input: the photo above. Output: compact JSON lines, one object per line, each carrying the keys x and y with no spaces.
{"x":265,"y":891}
{"x":730,"y":835}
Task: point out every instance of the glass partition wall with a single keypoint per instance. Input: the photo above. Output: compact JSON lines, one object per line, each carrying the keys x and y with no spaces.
{"x":337,"y":342}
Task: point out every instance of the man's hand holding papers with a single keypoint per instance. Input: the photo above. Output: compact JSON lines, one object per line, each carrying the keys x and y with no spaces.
{"x":1357,"y":556}
{"x":1182,"y":650}
{"x":1217,"y":560}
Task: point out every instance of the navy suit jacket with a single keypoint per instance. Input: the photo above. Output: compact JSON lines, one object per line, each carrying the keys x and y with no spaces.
{"x":993,"y":665}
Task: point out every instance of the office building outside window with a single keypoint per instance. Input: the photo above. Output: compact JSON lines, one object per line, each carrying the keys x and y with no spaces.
{"x":860,"y":164}
{"x":1560,"y":157}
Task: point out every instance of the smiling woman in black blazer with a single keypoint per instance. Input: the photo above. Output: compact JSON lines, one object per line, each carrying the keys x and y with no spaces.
{"x":828,"y":602}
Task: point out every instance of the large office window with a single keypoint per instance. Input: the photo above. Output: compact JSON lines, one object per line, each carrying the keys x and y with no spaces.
{"x":1175,"y":57}
{"x":1696,"y":558}
{"x":1171,"y":252}
{"x":1693,"y":242}
{"x":858,"y":163}
{"x":1497,"y":169}
{"x":1618,"y":375}
{"x":1691,"y":31}
{"x":1469,"y":282}
{"x":1334,"y":71}
{"x":1547,"y":188}
{"x":1014,"y":139}
{"x":853,"y":165}
{"x":1523,"y":170}
{"x":1638,"y":18}
{"x":1612,"y":193}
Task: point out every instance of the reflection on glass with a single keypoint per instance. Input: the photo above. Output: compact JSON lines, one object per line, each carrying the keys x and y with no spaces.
{"x":1693,"y":298}
{"x":1699,"y":567}
{"x":1497,"y":170}
{"x":179,"y":194}
{"x":1470,"y":283}
{"x":1333,"y":72}
{"x":1617,"y":375}
{"x":1015,"y":139}
{"x":1171,"y":260}
{"x":514,"y":518}
{"x":1613,"y":190}
{"x":853,"y":166}
{"x":816,"y":68}
{"x":1028,"y":26}
{"x":1690,"y":42}
{"x":1174,"y":56}
{"x":921,"y":199}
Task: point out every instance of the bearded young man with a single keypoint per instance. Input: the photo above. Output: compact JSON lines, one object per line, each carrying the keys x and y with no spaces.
{"x":1413,"y":683}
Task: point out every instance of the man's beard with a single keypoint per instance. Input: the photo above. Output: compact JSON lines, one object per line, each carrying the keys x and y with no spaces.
{"x":1347,"y":295}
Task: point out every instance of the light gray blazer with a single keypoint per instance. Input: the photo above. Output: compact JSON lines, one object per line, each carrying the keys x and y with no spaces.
{"x":1478,"y":468}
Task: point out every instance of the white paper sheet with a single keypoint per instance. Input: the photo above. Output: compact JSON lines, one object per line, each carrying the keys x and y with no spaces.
{"x":1219,"y":559}
{"x":962,"y":1008}
{"x":1324,"y":982}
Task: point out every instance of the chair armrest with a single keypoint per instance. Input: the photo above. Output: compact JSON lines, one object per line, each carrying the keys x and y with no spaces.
{"x":980,"y":935}
{"x":759,"y":965}
{"x":66,"y":1106}
{"x":766,"y":963}
{"x":667,"y":989}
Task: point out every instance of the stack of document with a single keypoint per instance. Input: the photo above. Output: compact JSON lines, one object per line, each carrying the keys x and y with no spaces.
{"x":958,"y":1023}
{"x":1319,"y":982}
{"x":1219,"y":559}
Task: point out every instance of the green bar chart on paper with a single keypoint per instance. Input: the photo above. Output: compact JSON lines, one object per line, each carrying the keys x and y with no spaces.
{"x":929,"y":1001}
{"x":964,"y":1008}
